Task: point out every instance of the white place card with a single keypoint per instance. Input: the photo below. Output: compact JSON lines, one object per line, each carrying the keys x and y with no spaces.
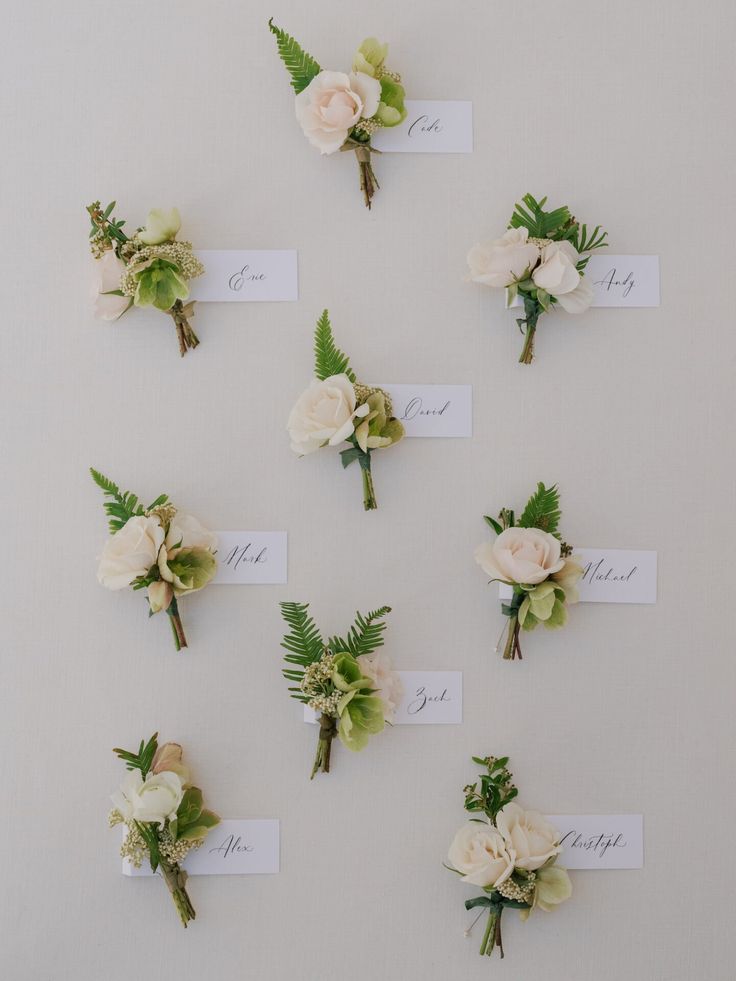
{"x":621,"y":280}
{"x":433,"y":410}
{"x":600,"y":841}
{"x":611,"y":575}
{"x":429,"y":698}
{"x":232,"y":848}
{"x":431,"y":126}
{"x":251,"y":558}
{"x":242,"y":275}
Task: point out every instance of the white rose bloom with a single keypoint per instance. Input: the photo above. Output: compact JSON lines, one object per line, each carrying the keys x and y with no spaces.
{"x":161,"y":226}
{"x":481,"y":855}
{"x":556,"y":273}
{"x":387,"y":682}
{"x":579,"y":299}
{"x":324,"y":414}
{"x":521,"y":555}
{"x":153,"y":800}
{"x":333,"y":102}
{"x":108,"y":270}
{"x":504,"y":260}
{"x":186,"y":531}
{"x":533,"y":839}
{"x":131,"y":552}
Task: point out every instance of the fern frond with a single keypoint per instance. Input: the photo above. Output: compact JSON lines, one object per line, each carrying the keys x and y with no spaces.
{"x":366,"y":634}
{"x":301,"y":66}
{"x":542,"y":510}
{"x":328,"y":359}
{"x":123,"y":506}
{"x":530,"y":214}
{"x":304,"y":642}
{"x":141,"y":760}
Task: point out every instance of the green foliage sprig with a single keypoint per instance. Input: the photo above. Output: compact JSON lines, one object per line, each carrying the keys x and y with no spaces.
{"x":494,"y":789}
{"x":141,"y":760}
{"x":329,"y":360}
{"x":123,"y":506}
{"x":365,"y":635}
{"x":303,"y":642}
{"x":301,"y":66}
{"x":542,"y":511}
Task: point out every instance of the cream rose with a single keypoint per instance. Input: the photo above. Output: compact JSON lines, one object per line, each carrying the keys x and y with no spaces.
{"x":481,"y":855}
{"x":531,"y":837}
{"x":108,"y":270}
{"x":131,"y":552}
{"x":377,"y":668}
{"x":556,"y":273}
{"x":504,"y":260}
{"x":324,"y":414}
{"x":186,"y":531}
{"x":521,"y":555}
{"x":153,"y":800}
{"x":331,"y":105}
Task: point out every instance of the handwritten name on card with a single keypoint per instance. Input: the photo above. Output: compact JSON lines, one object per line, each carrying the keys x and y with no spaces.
{"x":611,"y":575}
{"x":251,"y":558}
{"x":431,"y":126}
{"x":621,"y":280}
{"x":246,"y":275}
{"x":429,"y":698}
{"x":232,"y":848}
{"x":433,"y":410}
{"x":595,"y":841}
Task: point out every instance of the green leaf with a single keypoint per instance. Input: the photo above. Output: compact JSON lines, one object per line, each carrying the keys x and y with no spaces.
{"x":328,"y":359}
{"x":542,"y":510}
{"x":143,"y":758}
{"x":493,"y":523}
{"x":303,"y":643}
{"x":540,"y":223}
{"x":190,"y":807}
{"x":301,"y":66}
{"x":123,"y":506}
{"x":365,"y":635}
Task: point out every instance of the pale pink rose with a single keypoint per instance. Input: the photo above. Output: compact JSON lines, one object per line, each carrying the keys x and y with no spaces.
{"x":108,"y":271}
{"x":333,"y":102}
{"x":521,"y":555}
{"x":556,"y":273}
{"x":481,"y":855}
{"x":377,"y":668}
{"x":186,"y":531}
{"x":531,"y":837}
{"x":504,"y":260}
{"x":324,"y":413}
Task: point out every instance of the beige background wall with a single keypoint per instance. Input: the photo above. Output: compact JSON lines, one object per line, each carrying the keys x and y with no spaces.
{"x":621,"y":109}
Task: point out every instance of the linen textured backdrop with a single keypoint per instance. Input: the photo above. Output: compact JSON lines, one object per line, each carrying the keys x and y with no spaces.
{"x":621,"y":110}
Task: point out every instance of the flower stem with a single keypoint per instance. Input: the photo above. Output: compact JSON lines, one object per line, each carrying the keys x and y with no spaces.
{"x":527,"y":354}
{"x":327,"y":732}
{"x":513,"y":647}
{"x":185,"y":334}
{"x":490,"y":928}
{"x":175,"y":879}
{"x":177,"y":629}
{"x":368,"y":183}
{"x":369,"y":495}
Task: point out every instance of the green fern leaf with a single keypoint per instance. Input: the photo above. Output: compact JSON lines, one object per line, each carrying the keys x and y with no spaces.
{"x":303,"y":642}
{"x":301,"y":66}
{"x":141,"y":760}
{"x":328,"y":359}
{"x":123,"y":506}
{"x":542,"y":510}
{"x":366,"y":634}
{"x":530,"y":214}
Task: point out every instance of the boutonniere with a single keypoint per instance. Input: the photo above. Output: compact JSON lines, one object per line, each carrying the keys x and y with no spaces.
{"x":530,"y":557}
{"x":163,"y":814}
{"x":337,"y":409}
{"x":160,"y":549}
{"x":345,"y":680}
{"x":339,"y":111}
{"x":510,"y":853}
{"x":541,"y":259}
{"x":150,"y":269}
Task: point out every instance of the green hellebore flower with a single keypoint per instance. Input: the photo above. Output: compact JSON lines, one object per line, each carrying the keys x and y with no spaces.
{"x":376,"y":430}
{"x":346,"y":674}
{"x":159,"y":284}
{"x":361,"y":716}
{"x":370,"y":56}
{"x":391,"y":108}
{"x":189,"y":569}
{"x":161,"y":226}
